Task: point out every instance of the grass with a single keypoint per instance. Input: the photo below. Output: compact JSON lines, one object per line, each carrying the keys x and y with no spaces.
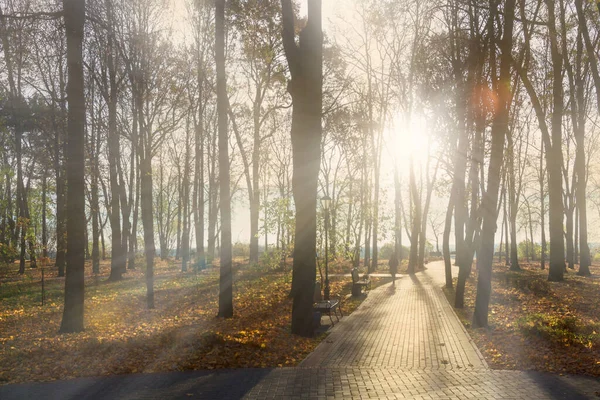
{"x":122,"y":336}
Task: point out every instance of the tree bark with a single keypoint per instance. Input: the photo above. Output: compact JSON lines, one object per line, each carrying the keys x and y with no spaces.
{"x":542,"y":208}
{"x":147,"y":222}
{"x":185,"y":237}
{"x":117,"y":262}
{"x":255,"y":192}
{"x":553,"y":146}
{"x":555,"y":157}
{"x":306,"y":88}
{"x":500,"y":128}
{"x":580,"y":166}
{"x":198,"y":202}
{"x":513,"y":204}
{"x":95,"y":204}
{"x":446,"y":242}
{"x":44,"y":222}
{"x":72,"y":320}
{"x":179,"y":215}
{"x":225,"y":275}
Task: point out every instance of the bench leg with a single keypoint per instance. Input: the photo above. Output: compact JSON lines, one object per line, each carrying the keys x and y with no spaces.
{"x":331,"y":319}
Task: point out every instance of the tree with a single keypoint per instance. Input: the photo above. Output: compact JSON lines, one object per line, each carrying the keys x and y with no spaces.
{"x":18,"y":111}
{"x":201,"y":23}
{"x":110,"y":89}
{"x":72,"y":321}
{"x":552,"y":143}
{"x":157,"y":93}
{"x":225,"y":275}
{"x":500,"y":128}
{"x":579,"y":119}
{"x":306,"y":88}
{"x":258,"y":23}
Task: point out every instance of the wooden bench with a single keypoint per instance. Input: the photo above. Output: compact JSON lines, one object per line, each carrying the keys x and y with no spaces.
{"x":327,"y":307}
{"x":358,"y":284}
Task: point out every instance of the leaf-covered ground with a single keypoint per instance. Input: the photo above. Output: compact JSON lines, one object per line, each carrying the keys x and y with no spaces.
{"x":122,"y":336}
{"x":539,"y":325}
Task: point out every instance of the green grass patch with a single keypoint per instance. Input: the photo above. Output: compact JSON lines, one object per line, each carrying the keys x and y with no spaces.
{"x":567,"y":330}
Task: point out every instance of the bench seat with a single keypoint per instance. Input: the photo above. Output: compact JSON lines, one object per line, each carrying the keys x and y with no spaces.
{"x":327,"y":307}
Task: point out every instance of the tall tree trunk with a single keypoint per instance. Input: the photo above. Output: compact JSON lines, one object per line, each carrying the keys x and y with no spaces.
{"x":413,"y":259}
{"x":513,"y":205}
{"x":44,"y":222}
{"x":500,"y":128}
{"x":429,"y":188}
{"x":117,"y":263}
{"x":185,"y":237}
{"x":213,"y":196}
{"x":580,"y":165}
{"x":134,"y":183}
{"x":555,"y":158}
{"x":61,"y":233}
{"x":226,"y":274}
{"x":506,"y":239}
{"x":179,"y":215}
{"x":569,"y":211}
{"x":147,"y":220}
{"x":95,"y":211}
{"x":446,"y":242}
{"x":22,"y":220}
{"x":531,"y":232}
{"x":102,"y":244}
{"x":134,"y":224}
{"x":306,"y":88}
{"x":72,"y":320}
{"x":376,"y":176}
{"x":95,"y":174}
{"x":198,"y":202}
{"x":255,"y":193}
{"x":397,"y":215}
{"x":576,"y":235}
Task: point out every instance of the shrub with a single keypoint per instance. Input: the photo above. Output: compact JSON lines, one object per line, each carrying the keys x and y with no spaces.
{"x":551,"y":327}
{"x":385,"y":252}
{"x":8,"y":254}
{"x":270,"y":260}
{"x":537,"y":286}
{"x":241,"y":250}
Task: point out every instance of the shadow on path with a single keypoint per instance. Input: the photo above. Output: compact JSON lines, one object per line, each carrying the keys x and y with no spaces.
{"x":221,"y":384}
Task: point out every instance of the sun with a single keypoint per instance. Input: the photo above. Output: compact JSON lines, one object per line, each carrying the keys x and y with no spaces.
{"x":408,"y":139}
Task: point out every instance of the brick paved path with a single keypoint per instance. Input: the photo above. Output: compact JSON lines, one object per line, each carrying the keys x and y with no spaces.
{"x":400,"y":343}
{"x":409,"y":325}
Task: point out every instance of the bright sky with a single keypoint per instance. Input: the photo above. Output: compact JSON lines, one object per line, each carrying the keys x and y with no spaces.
{"x":401,"y":141}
